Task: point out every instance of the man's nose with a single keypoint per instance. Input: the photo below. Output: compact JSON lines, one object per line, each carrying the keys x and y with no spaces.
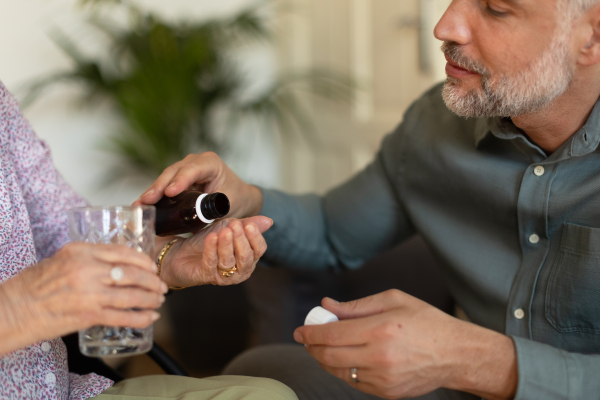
{"x":454,"y":26}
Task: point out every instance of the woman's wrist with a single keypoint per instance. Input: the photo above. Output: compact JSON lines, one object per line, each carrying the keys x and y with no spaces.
{"x":17,"y":326}
{"x":165,"y":270}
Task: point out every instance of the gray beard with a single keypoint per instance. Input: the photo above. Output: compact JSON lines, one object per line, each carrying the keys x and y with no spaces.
{"x":530,"y":90}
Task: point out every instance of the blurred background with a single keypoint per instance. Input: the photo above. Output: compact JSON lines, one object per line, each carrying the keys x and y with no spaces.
{"x":293,"y":94}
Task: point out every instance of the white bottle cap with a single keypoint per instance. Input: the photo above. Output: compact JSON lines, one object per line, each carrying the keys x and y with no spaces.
{"x":199,"y":210}
{"x":319,"y":315}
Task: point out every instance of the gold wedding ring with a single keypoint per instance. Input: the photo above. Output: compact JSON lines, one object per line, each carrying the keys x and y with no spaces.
{"x":228,"y":273}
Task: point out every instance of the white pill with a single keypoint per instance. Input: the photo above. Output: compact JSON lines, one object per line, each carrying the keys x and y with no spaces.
{"x":319,"y":315}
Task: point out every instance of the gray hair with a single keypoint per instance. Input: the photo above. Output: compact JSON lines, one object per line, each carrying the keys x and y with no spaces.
{"x":577,"y":7}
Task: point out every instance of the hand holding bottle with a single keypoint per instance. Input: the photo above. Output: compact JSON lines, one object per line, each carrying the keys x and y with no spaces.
{"x":209,"y":174}
{"x":200,"y":260}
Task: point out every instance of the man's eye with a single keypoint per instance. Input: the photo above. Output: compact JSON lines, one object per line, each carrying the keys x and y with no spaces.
{"x":495,"y":13}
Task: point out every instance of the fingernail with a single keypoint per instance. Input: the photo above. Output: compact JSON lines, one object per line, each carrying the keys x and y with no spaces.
{"x":332,"y":301}
{"x":161,"y":298}
{"x":298,"y":337}
{"x":149,"y":192}
{"x":172,"y":184}
{"x":164,"y":287}
{"x":272,"y":222}
{"x":155,"y":316}
{"x":155,"y":267}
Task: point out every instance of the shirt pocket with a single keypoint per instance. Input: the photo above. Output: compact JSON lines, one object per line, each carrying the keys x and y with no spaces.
{"x":573,"y":291}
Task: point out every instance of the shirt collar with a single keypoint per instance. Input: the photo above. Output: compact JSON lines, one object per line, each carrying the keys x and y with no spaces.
{"x":582,"y":142}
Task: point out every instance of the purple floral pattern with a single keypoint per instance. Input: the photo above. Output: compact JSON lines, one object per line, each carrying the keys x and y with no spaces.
{"x":34,"y":199}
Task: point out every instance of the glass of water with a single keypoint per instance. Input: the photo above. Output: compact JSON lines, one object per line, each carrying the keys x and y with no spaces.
{"x":130,"y":226}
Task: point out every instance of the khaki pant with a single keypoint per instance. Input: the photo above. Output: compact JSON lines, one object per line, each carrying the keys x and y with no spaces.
{"x":158,"y":387}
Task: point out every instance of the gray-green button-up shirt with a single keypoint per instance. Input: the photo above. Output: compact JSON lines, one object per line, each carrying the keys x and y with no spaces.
{"x":517,"y":231}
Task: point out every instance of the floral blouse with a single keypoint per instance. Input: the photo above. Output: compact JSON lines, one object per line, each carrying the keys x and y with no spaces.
{"x":34,"y":199}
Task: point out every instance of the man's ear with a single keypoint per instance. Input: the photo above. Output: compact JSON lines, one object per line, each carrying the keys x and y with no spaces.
{"x":588,"y":30}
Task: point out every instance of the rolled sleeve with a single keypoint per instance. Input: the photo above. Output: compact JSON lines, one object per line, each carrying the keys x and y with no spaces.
{"x":547,"y":373}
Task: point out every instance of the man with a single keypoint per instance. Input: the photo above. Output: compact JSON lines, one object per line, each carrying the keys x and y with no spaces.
{"x":499,"y":171}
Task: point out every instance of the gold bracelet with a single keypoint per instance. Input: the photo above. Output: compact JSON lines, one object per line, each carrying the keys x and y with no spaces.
{"x":160,"y":258}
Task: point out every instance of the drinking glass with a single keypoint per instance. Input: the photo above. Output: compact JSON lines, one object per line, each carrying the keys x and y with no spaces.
{"x":130,"y":226}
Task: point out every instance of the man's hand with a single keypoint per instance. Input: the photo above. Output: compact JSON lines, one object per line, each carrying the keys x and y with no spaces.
{"x":208,"y":173}
{"x":403,"y":347}
{"x":201,"y":259}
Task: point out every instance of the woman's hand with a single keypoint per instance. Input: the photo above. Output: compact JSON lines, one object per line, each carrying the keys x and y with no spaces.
{"x":73,"y":290}
{"x":201,"y":259}
{"x":208,"y":173}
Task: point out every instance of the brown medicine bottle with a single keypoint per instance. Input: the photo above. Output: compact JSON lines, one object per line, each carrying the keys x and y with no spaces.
{"x":189,"y":211}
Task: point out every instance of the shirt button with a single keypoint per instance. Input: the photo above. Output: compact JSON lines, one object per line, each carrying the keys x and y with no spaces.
{"x":539,"y":170}
{"x":533,"y":239}
{"x":50,"y":378}
{"x":519,"y":313}
{"x":46,"y":347}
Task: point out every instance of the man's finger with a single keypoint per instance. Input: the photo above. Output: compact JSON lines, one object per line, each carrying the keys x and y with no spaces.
{"x":375,"y":304}
{"x":192,"y":171}
{"x":156,"y":190}
{"x":365,"y":378}
{"x":352,"y":332}
{"x":340,"y":356}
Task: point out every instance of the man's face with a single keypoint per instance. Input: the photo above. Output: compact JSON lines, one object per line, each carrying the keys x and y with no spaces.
{"x":505,"y":57}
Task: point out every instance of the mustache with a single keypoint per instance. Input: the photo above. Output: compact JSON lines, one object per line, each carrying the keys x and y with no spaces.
{"x":453,"y":51}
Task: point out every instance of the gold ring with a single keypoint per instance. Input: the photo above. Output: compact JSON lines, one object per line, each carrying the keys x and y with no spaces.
{"x":229,"y":272}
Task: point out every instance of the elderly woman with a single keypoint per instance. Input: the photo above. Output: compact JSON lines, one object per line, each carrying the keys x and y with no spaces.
{"x":50,"y":288}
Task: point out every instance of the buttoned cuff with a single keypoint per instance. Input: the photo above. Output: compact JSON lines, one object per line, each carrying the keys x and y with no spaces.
{"x":545,"y":373}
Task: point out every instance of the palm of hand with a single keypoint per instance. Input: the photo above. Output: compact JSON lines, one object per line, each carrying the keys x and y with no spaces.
{"x":189,"y":264}
{"x":227,"y":243}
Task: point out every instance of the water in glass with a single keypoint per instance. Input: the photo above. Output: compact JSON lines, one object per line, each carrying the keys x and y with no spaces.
{"x":130,"y":226}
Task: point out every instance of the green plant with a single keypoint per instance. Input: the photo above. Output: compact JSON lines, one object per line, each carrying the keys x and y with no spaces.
{"x":168,"y":81}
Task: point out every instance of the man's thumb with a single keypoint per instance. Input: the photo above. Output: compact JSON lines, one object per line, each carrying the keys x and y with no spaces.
{"x":366,"y":306}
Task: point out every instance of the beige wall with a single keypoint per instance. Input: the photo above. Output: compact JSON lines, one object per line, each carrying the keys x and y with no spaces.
{"x":377,"y":43}
{"x":374,"y":41}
